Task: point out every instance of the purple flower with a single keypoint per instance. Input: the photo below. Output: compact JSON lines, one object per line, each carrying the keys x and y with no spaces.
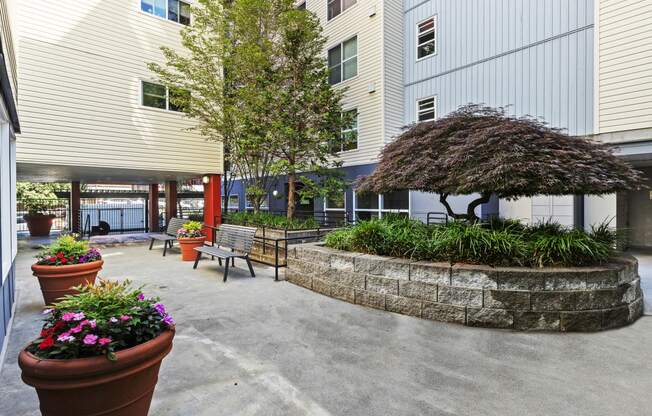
{"x":160,"y":308}
{"x":47,"y":311}
{"x":141,"y":296}
{"x":68,"y":316}
{"x":79,"y":316}
{"x":113,"y":319}
{"x":90,"y":339}
{"x":167,"y":320}
{"x":125,"y":318}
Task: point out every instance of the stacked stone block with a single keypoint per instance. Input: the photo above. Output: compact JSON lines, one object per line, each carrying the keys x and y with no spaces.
{"x":551,"y":299}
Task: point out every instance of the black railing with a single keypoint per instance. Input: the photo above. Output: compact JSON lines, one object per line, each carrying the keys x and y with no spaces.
{"x":103,"y":218}
{"x":436,"y":218}
{"x":322,"y":219}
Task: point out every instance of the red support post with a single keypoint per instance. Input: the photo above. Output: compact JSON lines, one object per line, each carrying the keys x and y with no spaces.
{"x":153,"y":208}
{"x":212,"y":203}
{"x":170,"y":200}
{"x":75,"y":207}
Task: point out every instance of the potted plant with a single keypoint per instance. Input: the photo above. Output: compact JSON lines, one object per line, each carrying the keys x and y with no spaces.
{"x":64,"y":264}
{"x":37,"y":199}
{"x":190,"y":236}
{"x":99,"y":352}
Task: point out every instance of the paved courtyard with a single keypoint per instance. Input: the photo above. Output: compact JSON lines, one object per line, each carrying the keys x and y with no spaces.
{"x":259,"y":347}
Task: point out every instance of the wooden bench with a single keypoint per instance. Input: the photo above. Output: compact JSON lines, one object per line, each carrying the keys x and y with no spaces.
{"x":170,"y":234}
{"x":237,"y":239}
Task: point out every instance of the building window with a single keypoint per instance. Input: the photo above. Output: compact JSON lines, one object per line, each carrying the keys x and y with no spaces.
{"x":174,"y":10}
{"x":427,"y":109}
{"x":338,"y":204}
{"x":336,"y":7}
{"x":427,"y":38}
{"x":263,"y":207}
{"x":349,"y":136}
{"x":369,"y":205}
{"x":158,"y":96}
{"x":234,"y":203}
{"x":343,"y":61}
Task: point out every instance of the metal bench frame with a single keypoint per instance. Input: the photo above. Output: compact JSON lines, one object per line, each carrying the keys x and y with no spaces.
{"x":234,"y":237}
{"x":170,"y":234}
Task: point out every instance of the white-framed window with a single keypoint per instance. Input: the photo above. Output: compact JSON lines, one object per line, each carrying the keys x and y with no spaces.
{"x":336,"y":7}
{"x":369,"y":205}
{"x":234,"y":202}
{"x":427,"y":38}
{"x":427,"y":109}
{"x":159,"y":96}
{"x":349,"y":135}
{"x":343,"y":61}
{"x":264,"y":206}
{"x":173,"y":10}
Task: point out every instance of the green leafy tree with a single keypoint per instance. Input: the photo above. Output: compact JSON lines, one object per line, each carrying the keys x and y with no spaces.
{"x":37,"y":198}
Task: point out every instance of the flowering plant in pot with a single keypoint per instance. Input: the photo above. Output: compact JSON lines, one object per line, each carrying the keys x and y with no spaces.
{"x":64,"y":264}
{"x":191,"y":235}
{"x":39,"y":223}
{"x":103,"y":346}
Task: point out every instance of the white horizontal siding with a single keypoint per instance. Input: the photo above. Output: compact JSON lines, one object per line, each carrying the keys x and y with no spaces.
{"x":624,"y":72}
{"x":81,"y":66}
{"x":356,"y":21}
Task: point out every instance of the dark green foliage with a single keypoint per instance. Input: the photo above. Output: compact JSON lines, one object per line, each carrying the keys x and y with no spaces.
{"x":266,"y":219}
{"x":497,"y":243}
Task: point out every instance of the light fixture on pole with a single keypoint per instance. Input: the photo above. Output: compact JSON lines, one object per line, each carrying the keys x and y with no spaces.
{"x":205,"y":179}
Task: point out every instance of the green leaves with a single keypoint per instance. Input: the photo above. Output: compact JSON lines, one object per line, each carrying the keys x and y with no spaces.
{"x":498,"y":243}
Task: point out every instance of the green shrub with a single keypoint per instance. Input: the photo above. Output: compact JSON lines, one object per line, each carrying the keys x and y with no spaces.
{"x":339,"y":239}
{"x":266,"y":219}
{"x":496,"y":243}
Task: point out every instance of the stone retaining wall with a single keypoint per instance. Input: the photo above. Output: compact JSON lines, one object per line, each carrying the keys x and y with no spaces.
{"x":552,"y":299}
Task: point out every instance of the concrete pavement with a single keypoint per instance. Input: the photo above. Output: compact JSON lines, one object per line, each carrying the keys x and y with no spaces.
{"x":257,"y":347}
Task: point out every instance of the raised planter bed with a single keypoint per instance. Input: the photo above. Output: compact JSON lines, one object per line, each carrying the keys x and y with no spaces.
{"x":550,"y":299}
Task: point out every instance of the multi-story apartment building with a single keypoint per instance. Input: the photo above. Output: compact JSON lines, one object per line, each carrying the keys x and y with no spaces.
{"x":531,"y":57}
{"x":623,"y":108}
{"x":93,"y":111}
{"x":9,"y":126}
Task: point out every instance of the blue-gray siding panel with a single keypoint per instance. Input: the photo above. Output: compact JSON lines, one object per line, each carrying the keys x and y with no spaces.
{"x":7,"y":297}
{"x":552,"y":80}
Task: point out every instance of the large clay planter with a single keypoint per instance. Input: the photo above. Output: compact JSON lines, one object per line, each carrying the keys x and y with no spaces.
{"x":57,"y":281}
{"x":95,"y":385}
{"x":39,"y":225}
{"x":188,"y":245}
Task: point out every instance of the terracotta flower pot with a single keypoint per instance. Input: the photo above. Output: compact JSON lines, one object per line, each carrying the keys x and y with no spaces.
{"x":95,"y":385}
{"x":57,"y":281}
{"x":39,"y":225}
{"x":187,"y":247}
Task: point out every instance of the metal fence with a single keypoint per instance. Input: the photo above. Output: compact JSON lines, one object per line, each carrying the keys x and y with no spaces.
{"x":129,"y":215}
{"x":57,"y":207}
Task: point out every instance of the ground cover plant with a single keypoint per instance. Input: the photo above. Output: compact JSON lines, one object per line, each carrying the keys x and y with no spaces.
{"x":100,"y":320}
{"x":266,"y":219}
{"x":496,"y":243}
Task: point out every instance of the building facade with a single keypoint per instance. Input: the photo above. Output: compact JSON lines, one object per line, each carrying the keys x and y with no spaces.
{"x":91,"y":104}
{"x":9,"y":126}
{"x":623,"y":109}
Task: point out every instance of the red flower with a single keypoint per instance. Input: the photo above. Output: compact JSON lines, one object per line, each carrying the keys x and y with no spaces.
{"x":64,"y":260}
{"x":46,"y":343}
{"x":60,"y":255}
{"x":58,"y":326}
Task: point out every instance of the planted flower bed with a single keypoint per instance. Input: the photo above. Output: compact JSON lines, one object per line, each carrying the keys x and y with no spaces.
{"x":437,"y":273}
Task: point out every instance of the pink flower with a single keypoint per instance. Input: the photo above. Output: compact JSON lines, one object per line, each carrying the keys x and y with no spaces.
{"x":92,"y":323}
{"x":90,"y":339}
{"x":104,"y":341}
{"x":66,"y":337}
{"x":79,"y":316}
{"x":77,"y":329}
{"x":113,"y":319}
{"x":125,"y":317}
{"x":68,"y":316}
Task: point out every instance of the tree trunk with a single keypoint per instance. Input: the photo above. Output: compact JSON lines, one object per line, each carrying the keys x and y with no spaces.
{"x":470,"y":210}
{"x":291,"y":195}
